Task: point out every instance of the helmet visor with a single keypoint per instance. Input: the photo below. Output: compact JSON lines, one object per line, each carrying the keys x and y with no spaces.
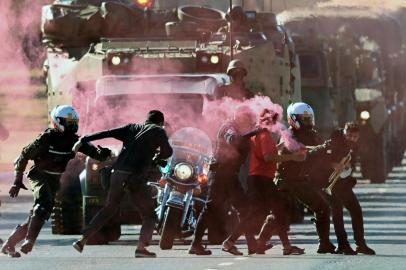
{"x":307,"y":120}
{"x":70,"y":124}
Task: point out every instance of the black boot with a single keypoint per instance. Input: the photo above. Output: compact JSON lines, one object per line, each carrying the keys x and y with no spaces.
{"x":346,"y":250}
{"x":16,"y":236}
{"x":364,"y":249}
{"x":34,"y":228}
{"x":326,"y":247}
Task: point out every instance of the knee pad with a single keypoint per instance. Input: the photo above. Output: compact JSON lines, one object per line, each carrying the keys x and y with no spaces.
{"x":41,"y":211}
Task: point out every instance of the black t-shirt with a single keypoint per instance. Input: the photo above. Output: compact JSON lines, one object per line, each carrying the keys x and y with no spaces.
{"x":141,"y":142}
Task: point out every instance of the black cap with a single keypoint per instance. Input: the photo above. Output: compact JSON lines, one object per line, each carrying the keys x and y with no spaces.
{"x":155,"y":117}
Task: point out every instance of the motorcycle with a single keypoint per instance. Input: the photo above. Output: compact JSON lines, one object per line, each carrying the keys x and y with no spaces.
{"x":180,"y":188}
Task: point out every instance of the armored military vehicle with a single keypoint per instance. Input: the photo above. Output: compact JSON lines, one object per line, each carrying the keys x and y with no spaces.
{"x":362,"y":79}
{"x":115,"y":60}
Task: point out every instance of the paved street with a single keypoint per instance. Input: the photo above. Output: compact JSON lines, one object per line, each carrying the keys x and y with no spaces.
{"x":384,"y":208}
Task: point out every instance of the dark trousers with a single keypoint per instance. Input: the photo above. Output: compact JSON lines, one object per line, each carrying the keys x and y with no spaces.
{"x":343,"y":196}
{"x":225,"y":188}
{"x":44,"y":188}
{"x":314,"y":199}
{"x":263,"y":193}
{"x":140,"y":198}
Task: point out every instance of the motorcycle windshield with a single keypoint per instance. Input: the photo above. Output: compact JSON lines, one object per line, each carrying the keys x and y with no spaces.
{"x":193,"y":140}
{"x":191,"y":145}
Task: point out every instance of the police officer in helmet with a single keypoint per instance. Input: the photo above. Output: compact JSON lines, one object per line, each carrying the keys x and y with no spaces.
{"x":50,"y":152}
{"x":292,"y":176}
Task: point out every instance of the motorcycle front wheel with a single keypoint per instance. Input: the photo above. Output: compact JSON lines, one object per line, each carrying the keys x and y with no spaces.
{"x":170,"y":228}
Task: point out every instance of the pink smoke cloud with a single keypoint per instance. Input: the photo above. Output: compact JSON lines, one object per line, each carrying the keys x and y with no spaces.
{"x":217,"y":111}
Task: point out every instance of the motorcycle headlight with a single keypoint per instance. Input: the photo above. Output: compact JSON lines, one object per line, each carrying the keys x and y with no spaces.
{"x":183,"y":171}
{"x":365,"y":115}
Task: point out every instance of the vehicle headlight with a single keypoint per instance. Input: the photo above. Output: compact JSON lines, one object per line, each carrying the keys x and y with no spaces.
{"x":95,"y":167}
{"x":183,"y":171}
{"x":365,"y":115}
{"x":204,"y":59}
{"x":116,"y":60}
{"x":214,"y":59}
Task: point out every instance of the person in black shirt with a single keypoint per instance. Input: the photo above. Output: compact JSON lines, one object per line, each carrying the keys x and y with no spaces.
{"x":51,"y":152}
{"x":144,"y":145}
{"x":326,"y":158}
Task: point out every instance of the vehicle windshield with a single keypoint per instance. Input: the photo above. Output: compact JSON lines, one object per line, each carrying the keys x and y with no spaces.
{"x":113,"y":111}
{"x":310,"y":66}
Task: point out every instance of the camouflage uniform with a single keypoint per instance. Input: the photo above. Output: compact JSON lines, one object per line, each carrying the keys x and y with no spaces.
{"x":50,"y":152}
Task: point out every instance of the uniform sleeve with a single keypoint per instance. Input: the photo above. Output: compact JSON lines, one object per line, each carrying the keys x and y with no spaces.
{"x":320,"y":152}
{"x":30,"y":152}
{"x":90,"y":150}
{"x":116,"y":133}
{"x":229,"y":135}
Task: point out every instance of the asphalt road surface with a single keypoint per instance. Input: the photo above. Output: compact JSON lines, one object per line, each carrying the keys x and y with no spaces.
{"x":384,"y":207}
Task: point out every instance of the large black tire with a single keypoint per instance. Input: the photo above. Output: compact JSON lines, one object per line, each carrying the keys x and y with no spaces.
{"x":171,"y":227}
{"x":205,"y":17}
{"x":66,"y":217}
{"x":374,"y":157}
{"x":109,"y":232}
{"x":378,"y":170}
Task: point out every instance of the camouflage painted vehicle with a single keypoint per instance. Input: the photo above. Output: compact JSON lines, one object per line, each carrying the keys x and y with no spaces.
{"x":364,"y":47}
{"x":119,"y":60}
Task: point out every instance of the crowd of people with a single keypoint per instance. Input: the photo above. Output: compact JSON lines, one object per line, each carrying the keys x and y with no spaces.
{"x":274,"y":173}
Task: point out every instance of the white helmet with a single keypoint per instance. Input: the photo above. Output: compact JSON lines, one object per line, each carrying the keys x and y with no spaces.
{"x":65,"y":119}
{"x":300,"y":115}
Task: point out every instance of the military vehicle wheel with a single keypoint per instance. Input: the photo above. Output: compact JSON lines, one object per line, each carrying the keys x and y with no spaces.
{"x":210,"y":18}
{"x":171,"y":227}
{"x":110,"y":232}
{"x":180,"y":29}
{"x":374,"y":162}
{"x":378,"y":171}
{"x":66,"y":217}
